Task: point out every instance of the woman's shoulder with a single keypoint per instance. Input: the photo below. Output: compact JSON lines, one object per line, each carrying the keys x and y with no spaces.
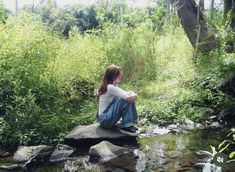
{"x":113,"y":88}
{"x":110,"y":86}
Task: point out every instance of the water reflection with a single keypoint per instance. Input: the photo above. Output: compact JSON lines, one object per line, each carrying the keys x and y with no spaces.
{"x":159,"y":153}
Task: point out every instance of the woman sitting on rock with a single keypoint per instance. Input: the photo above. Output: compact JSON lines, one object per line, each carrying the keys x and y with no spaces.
{"x":116,"y":103}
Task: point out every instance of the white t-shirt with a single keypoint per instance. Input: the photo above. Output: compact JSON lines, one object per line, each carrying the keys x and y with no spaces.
{"x":106,"y":98}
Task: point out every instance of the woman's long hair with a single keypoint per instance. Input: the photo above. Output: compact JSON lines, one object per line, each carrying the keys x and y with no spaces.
{"x":111,"y":73}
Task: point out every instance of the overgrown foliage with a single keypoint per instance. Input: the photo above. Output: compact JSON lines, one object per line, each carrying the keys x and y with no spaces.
{"x":47,"y":82}
{"x":35,"y":105}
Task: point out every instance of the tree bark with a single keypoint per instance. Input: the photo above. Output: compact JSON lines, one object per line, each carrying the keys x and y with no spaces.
{"x":191,"y":22}
{"x":232,"y":24}
{"x":212,"y":9}
{"x":229,"y":7}
{"x":202,"y":5}
{"x":168,"y":15}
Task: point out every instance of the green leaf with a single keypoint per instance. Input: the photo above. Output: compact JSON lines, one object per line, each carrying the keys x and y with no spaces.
{"x":233,"y":160}
{"x":232,"y":155}
{"x":221,"y":144}
{"x":213,"y":150}
{"x":221,"y":150}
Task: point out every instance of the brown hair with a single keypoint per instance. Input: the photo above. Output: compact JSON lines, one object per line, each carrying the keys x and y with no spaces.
{"x":110,"y":74}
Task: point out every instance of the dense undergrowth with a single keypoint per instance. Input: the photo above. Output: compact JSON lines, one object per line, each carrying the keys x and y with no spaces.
{"x":47,"y":82}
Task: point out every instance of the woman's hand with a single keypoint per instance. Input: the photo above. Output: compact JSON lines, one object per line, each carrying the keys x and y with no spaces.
{"x":132,"y":97}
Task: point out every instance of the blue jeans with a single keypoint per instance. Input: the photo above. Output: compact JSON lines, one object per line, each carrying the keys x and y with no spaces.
{"x":118,"y":108}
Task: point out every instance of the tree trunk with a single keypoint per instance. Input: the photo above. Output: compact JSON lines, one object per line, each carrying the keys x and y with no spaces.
{"x":232,"y":24}
{"x":229,"y":7}
{"x":202,"y":5}
{"x":16,"y":6}
{"x":191,"y":22}
{"x":167,"y":9}
{"x":212,"y":9}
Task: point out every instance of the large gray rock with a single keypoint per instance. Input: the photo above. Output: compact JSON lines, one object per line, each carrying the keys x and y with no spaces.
{"x":89,"y":135}
{"x":93,"y":131}
{"x":105,"y":151}
{"x":24,"y":153}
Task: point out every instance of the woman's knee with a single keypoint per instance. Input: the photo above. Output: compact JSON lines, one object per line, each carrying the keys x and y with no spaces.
{"x":125,"y":102}
{"x":105,"y":123}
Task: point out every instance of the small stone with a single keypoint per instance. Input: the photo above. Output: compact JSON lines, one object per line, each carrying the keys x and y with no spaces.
{"x":215,"y":125}
{"x":175,"y":131}
{"x":172,"y":126}
{"x":203,"y":154}
{"x":3,"y":153}
{"x":161,"y":131}
{"x":62,"y":152}
{"x":203,"y":167}
{"x":119,"y":170}
{"x":198,"y":125}
{"x":14,"y":167}
{"x":189,"y":124}
{"x":213,"y":118}
{"x":79,"y":164}
{"x":146,"y":149}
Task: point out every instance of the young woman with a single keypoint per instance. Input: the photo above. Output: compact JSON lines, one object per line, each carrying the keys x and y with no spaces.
{"x":116,"y":103}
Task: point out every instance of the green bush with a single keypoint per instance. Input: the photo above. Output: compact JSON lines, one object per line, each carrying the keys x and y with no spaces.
{"x":47,"y":82}
{"x":37,"y":104}
{"x":131,"y":48}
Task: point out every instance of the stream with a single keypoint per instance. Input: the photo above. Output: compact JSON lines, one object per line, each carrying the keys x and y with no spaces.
{"x":168,"y":152}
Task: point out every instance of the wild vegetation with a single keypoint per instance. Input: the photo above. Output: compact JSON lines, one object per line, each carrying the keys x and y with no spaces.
{"x":51,"y":60}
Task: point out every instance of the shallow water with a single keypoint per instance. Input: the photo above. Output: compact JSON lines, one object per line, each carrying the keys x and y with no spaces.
{"x":177,"y":152}
{"x":157,"y":153}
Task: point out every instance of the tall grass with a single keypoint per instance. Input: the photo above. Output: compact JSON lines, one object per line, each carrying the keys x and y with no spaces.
{"x":47,"y":82}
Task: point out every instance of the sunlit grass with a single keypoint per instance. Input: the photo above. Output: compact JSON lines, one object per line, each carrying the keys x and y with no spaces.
{"x":175,"y":67}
